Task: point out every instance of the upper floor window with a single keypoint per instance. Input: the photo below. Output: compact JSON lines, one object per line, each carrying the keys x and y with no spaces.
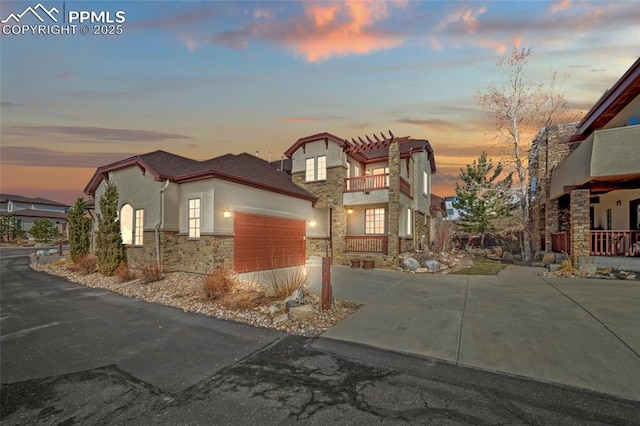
{"x":194,"y":217}
{"x":425,"y":182}
{"x":316,"y":168}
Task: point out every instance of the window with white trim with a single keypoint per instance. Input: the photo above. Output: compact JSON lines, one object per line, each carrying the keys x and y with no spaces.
{"x":126,"y":224}
{"x":315,"y":169}
{"x":425,"y":182}
{"x":374,"y":221}
{"x":194,"y":217}
{"x":138,"y":231}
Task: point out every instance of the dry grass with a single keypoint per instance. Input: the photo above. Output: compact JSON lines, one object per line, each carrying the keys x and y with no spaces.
{"x":566,"y":267}
{"x":124,"y":273}
{"x":217,"y":283}
{"x":444,"y":237}
{"x":85,"y":265}
{"x":283,"y":282}
{"x":150,"y":271}
{"x":243,"y":299}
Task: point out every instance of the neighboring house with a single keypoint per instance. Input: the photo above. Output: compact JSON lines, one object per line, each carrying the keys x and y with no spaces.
{"x":235,"y":211}
{"x":26,"y":210}
{"x":451,"y":212}
{"x":328,"y":196}
{"x":592,"y":203}
{"x":376,"y":194}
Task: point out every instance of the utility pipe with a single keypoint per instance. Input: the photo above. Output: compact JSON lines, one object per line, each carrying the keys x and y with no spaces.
{"x":164,"y":187}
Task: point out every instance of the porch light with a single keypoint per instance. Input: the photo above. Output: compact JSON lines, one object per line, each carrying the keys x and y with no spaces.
{"x":226,"y":214}
{"x":349,"y":211}
{"x":312,"y":223}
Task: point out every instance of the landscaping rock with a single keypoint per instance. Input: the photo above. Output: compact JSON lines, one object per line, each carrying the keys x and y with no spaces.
{"x":432,"y":265}
{"x":279,"y":319}
{"x":296,"y":298}
{"x":553,"y":267}
{"x":508,"y":256}
{"x":411,"y":264}
{"x":302,"y":312}
{"x":549,"y":258}
{"x":40,"y":253}
{"x":588,"y":269}
{"x":497,"y":250}
{"x":422,"y":271}
{"x":52,"y":252}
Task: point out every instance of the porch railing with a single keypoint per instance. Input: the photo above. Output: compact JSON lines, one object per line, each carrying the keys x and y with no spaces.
{"x":367,"y":244}
{"x":367,"y":183}
{"x":603,"y":243}
{"x":561,"y":242}
{"x":615,"y":243}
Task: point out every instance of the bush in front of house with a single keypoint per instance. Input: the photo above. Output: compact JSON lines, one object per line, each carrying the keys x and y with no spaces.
{"x":79,"y":230}
{"x":217,"y":283}
{"x":84,"y":265}
{"x":150,"y":271}
{"x":124,"y":273}
{"x":109,"y":249}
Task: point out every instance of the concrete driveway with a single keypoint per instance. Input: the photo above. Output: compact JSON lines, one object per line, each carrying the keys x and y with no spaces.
{"x":578,"y":332}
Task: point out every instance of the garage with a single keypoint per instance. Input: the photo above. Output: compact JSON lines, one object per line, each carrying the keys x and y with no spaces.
{"x":267,"y":242}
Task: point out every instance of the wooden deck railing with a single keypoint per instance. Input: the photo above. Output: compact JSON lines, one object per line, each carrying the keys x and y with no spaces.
{"x":405,"y":186}
{"x":561,"y":242}
{"x":367,"y":244}
{"x":615,"y":243}
{"x":367,"y":183}
{"x":603,"y":243}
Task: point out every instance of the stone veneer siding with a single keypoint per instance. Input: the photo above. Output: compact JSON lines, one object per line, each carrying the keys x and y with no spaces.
{"x":394,"y":199}
{"x":179,"y":253}
{"x":422,"y":228}
{"x":580,"y":232}
{"x":331,"y":188}
{"x":316,"y":247}
{"x":550,"y":149}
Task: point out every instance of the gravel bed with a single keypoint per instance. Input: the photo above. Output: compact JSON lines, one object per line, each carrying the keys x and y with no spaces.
{"x":184,"y":291}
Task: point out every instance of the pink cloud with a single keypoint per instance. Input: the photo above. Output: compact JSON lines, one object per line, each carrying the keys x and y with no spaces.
{"x":190,"y":43}
{"x":560,"y":5}
{"x":466,"y":17}
{"x":324,"y":30}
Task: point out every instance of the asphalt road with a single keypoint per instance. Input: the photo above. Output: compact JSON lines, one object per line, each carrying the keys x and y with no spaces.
{"x":75,"y":355}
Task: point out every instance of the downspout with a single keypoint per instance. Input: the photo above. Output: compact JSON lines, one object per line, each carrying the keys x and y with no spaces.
{"x":164,"y":187}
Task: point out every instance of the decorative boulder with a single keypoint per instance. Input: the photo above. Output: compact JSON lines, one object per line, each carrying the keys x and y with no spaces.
{"x":296,"y":298}
{"x":40,"y":253}
{"x":52,"y":252}
{"x":432,"y":265}
{"x":588,"y":269}
{"x":508,"y":256}
{"x":411,"y":264}
{"x":302,"y":312}
{"x":548,"y":258}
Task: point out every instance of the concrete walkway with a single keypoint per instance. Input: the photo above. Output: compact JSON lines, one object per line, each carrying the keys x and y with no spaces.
{"x":578,"y":332}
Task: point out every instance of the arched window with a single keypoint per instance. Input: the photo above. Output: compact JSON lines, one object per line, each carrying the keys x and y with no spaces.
{"x":126,"y":224}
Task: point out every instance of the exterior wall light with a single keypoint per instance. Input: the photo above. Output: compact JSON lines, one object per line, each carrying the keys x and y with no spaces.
{"x":226,"y":214}
{"x":349,"y":211}
{"x":312,"y":223}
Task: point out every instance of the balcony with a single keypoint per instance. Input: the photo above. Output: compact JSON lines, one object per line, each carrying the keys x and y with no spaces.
{"x":371,"y":189}
{"x":367,"y":244}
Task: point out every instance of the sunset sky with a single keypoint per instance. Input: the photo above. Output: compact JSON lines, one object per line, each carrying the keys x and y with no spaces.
{"x":202,"y":79}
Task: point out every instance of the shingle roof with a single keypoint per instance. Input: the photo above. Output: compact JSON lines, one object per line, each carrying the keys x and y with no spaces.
{"x":35,"y":200}
{"x":35,"y":213}
{"x":243,"y":168}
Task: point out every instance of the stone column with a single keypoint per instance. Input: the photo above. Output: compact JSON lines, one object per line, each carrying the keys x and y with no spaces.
{"x":393,"y":220}
{"x":580,"y":231}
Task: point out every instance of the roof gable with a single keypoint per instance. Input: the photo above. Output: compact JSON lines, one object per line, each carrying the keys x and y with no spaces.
{"x":244,"y":168}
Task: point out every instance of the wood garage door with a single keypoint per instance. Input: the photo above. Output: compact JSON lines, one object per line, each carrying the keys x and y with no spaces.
{"x":267,"y":242}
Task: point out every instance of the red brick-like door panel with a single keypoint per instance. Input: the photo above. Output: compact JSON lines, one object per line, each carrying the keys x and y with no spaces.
{"x":267,"y":242}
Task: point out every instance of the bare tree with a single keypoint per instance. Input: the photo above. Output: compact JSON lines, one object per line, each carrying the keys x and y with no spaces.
{"x":516,"y":107}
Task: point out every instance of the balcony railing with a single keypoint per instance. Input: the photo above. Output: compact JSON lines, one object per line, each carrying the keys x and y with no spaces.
{"x":405,"y":186}
{"x":367,"y":183}
{"x":561,"y":242}
{"x":373,"y":182}
{"x":615,"y":243}
{"x":367,"y":244}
